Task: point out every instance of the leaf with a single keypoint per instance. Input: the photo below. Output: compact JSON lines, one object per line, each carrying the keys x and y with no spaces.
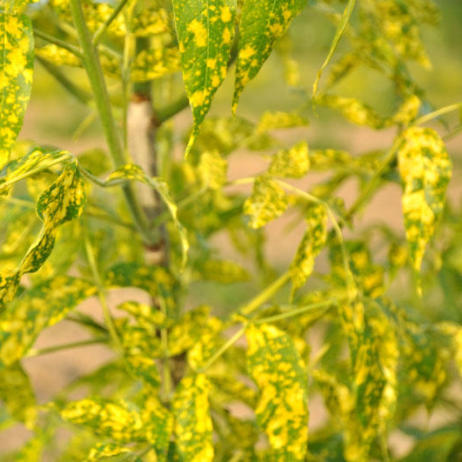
{"x":61,"y":202}
{"x":205,"y":32}
{"x":313,"y":241}
{"x":279,"y":372}
{"x":38,"y":308}
{"x":213,"y":169}
{"x":223,"y":271}
{"x":276,"y":120}
{"x":154,"y":63}
{"x":58,"y":55}
{"x":262,"y":23}
{"x":16,"y":71}
{"x":106,"y":418}
{"x":193,"y":425}
{"x":425,"y":170}
{"x":104,"y":451}
{"x":267,"y":202}
{"x":291,"y":163}
{"x":17,"y":394}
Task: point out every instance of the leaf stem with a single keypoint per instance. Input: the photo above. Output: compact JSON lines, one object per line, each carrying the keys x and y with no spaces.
{"x":433,"y":115}
{"x":103,"y":28}
{"x":264,"y":296}
{"x":103,"y":104}
{"x":228,"y":344}
{"x":66,"y":346}
{"x":102,"y":296}
{"x":60,"y":43}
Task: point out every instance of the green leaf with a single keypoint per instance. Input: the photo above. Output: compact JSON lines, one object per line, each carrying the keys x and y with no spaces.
{"x":425,"y":169}
{"x":205,"y":33}
{"x":16,"y":72}
{"x":193,"y":425}
{"x":262,"y":23}
{"x":291,"y":163}
{"x":105,"y":451}
{"x":312,"y":243}
{"x":267,"y":202}
{"x":281,"y":377}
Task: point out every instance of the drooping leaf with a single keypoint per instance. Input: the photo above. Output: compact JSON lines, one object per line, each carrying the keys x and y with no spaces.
{"x":279,"y":372}
{"x":205,"y":32}
{"x":267,"y":202}
{"x":310,"y":246}
{"x":291,"y":163}
{"x":16,"y":71}
{"x":262,"y":23}
{"x":193,"y":425}
{"x":425,"y":169}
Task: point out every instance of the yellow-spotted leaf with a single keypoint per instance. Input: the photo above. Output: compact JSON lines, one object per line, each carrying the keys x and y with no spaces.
{"x":310,"y":246}
{"x":282,"y":409}
{"x":193,"y":425}
{"x":267,"y":202}
{"x":154,"y":63}
{"x":151,"y":22}
{"x":17,"y":394}
{"x":205,"y":32}
{"x":110,"y":419}
{"x":38,"y":308}
{"x":271,"y":120}
{"x":58,"y":55}
{"x":16,"y":71}
{"x":213,"y":169}
{"x":106,"y":451}
{"x":425,"y":169}
{"x":262,"y":23}
{"x":291,"y":163}
{"x":61,"y":202}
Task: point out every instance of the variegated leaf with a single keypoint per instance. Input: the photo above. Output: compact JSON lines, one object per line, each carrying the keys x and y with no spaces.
{"x":193,"y":425}
{"x":279,"y":372}
{"x":262,"y":23}
{"x":425,"y":169}
{"x":205,"y":32}
{"x":291,"y":163}
{"x":16,"y":71}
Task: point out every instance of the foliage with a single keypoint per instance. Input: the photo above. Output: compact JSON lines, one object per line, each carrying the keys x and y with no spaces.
{"x":190,"y":383}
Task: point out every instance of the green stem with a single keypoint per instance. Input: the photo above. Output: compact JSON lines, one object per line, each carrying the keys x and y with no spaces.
{"x":374,"y":181}
{"x":66,"y":346}
{"x":228,"y":344}
{"x":103,"y":104}
{"x":74,"y":90}
{"x":298,"y":311}
{"x":102,"y":296}
{"x":103,"y":28}
{"x":264,"y":296}
{"x":60,"y":43}
{"x":85,"y":320}
{"x":433,"y":115}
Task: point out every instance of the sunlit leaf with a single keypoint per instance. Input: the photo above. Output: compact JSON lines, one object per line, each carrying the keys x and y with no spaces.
{"x":16,"y":71}
{"x":205,"y":33}
{"x":425,"y":170}
{"x":193,"y":425}
{"x":262,"y":23}
{"x":291,"y":163}
{"x":279,"y":372}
